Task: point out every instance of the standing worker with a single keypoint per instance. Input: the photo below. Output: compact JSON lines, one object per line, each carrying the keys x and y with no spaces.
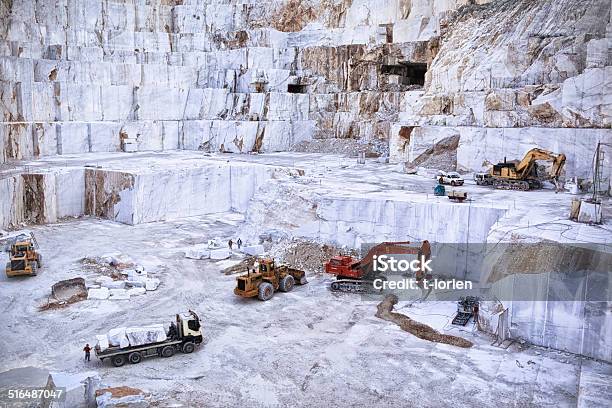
{"x":475,"y":310}
{"x":87,"y":351}
{"x":239,"y":242}
{"x":230,"y":243}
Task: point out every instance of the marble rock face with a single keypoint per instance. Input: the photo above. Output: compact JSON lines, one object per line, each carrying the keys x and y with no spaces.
{"x":264,"y":77}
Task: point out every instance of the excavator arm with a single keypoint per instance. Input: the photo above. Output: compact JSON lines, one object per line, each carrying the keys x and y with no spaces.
{"x":396,"y":248}
{"x":526,"y":165}
{"x":557,"y":166}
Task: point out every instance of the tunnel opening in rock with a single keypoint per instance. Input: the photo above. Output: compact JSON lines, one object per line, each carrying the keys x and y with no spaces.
{"x":297,"y":88}
{"x":409,"y":73}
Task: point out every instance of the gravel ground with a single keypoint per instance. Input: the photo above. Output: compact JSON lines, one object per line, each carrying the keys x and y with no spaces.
{"x":309,"y":347}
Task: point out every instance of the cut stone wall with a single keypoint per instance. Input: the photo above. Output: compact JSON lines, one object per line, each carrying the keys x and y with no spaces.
{"x":480,"y":147}
{"x":76,"y":75}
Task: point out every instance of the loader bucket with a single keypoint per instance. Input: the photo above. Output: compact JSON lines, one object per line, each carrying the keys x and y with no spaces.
{"x":69,"y":290}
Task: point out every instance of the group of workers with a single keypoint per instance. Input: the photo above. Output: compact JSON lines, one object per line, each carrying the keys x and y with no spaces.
{"x":230,"y":243}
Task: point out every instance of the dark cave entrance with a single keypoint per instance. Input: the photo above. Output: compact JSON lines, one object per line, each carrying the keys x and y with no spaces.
{"x":410,"y":73}
{"x":294,"y":88}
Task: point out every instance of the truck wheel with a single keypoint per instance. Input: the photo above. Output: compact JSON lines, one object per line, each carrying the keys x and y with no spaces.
{"x":266,"y":291}
{"x":188,"y":347}
{"x":34,"y":267}
{"x":39,"y":261}
{"x":135,"y":357}
{"x":118,"y":361}
{"x":167,"y":351}
{"x":8,"y":267}
{"x":286,"y":284}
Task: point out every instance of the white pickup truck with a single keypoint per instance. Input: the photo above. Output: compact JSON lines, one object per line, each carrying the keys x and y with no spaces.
{"x":452,"y":177}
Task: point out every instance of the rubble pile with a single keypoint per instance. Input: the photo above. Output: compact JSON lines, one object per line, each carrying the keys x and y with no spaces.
{"x":109,"y":265}
{"x":119,"y":278}
{"x":120,"y":397}
{"x":242,"y":266}
{"x":442,"y":155}
{"x":308,"y":256}
{"x":350,"y":147}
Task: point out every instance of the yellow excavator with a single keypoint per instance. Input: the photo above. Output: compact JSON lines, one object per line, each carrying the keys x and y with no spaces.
{"x":523,"y":175}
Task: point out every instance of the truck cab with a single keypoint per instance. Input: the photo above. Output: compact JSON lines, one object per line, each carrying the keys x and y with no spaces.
{"x":189,"y":327}
{"x":266,"y":267}
{"x":340,"y":266}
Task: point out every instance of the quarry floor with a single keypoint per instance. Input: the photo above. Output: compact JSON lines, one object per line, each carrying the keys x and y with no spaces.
{"x":309,"y":347}
{"x":306,"y":348}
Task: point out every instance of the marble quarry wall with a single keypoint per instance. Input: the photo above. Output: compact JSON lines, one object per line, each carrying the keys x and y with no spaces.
{"x":131,"y":196}
{"x":80,"y":75}
{"x":513,"y":75}
{"x":349,"y":220}
{"x":479,"y":147}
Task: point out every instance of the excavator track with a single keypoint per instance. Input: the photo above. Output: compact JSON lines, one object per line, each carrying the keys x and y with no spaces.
{"x":351,"y":285}
{"x":511,"y":184}
{"x":354,"y":285}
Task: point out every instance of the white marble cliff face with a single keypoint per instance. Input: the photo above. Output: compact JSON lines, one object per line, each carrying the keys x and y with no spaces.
{"x":211,"y":76}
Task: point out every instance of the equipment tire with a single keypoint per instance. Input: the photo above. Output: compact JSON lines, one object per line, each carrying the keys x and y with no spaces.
{"x":167,"y":351}
{"x":266,"y":291}
{"x":135,"y":357}
{"x":39,"y":261}
{"x":34,"y":269}
{"x":118,"y":361}
{"x":188,"y":347}
{"x":287,"y":283}
{"x":8,"y":267}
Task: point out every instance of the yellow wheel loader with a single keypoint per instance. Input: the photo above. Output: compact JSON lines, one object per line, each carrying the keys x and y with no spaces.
{"x":268,"y":279}
{"x":24,"y":259}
